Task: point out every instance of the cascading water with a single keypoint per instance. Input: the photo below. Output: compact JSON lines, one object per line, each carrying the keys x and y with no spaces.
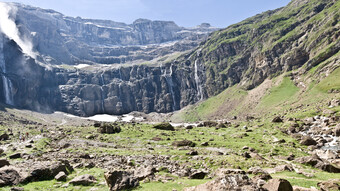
{"x":7,"y":83}
{"x":198,"y":83}
{"x":102,"y":91}
{"x":120,"y":73}
{"x":168,"y":78}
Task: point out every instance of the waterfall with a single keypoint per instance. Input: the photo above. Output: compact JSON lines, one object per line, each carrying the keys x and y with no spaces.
{"x":6,"y":82}
{"x":102,"y":90}
{"x":168,"y":78}
{"x":8,"y":90}
{"x":198,"y":83}
{"x":119,"y":93}
{"x":120,"y":73}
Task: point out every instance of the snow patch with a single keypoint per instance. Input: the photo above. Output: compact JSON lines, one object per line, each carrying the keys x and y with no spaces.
{"x":80,"y":66}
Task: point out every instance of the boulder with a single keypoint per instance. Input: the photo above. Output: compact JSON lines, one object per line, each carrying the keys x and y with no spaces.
{"x":329,"y":185}
{"x":307,"y":140}
{"x":189,"y":127}
{"x":164,"y":126}
{"x":183,"y":143}
{"x":192,"y":153}
{"x":277,"y":119}
{"x":334,"y":103}
{"x":198,"y":175}
{"x":226,"y":182}
{"x":309,"y":160}
{"x":265,"y":176}
{"x":4,"y":137}
{"x":325,"y":166}
{"x":109,"y":128}
{"x":221,"y":125}
{"x":256,"y":156}
{"x":83,"y":180}
{"x":120,"y":180}
{"x":9,"y":176}
{"x":256,"y":171}
{"x":141,"y":173}
{"x":282,"y":168}
{"x":246,"y":155}
{"x":278,"y":185}
{"x":47,"y":170}
{"x":15,"y":156}
{"x":336,"y":131}
{"x":61,"y":176}
{"x":4,"y":162}
{"x":210,"y":124}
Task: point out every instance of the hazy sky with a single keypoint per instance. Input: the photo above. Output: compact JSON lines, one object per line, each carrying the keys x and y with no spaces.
{"x":220,"y":13}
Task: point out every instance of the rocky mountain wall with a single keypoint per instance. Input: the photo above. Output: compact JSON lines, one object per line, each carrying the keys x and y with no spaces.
{"x":297,"y":37}
{"x":66,"y":40}
{"x":111,"y":90}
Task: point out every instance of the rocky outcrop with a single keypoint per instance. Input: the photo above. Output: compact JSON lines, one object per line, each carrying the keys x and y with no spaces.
{"x":120,"y":180}
{"x":47,"y":170}
{"x":329,"y":185}
{"x":9,"y":176}
{"x":278,"y":184}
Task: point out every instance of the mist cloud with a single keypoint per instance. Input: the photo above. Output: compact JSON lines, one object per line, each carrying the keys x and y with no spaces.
{"x":9,"y":28}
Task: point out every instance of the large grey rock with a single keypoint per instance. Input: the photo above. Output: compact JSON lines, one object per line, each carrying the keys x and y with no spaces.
{"x":278,"y":185}
{"x":121,"y":180}
{"x":61,"y":176}
{"x":164,"y":126}
{"x":316,"y":162}
{"x":47,"y":170}
{"x":4,"y":162}
{"x":144,"y":172}
{"x":84,"y":180}
{"x":307,"y":140}
{"x":329,"y":185}
{"x":9,"y":176}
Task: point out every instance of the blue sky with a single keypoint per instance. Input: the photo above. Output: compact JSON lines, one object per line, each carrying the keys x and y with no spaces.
{"x":188,"y":13}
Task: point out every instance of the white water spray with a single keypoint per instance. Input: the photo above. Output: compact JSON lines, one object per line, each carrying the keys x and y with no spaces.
{"x":102,"y":90}
{"x":6,"y":82}
{"x":168,"y":78}
{"x":198,"y":83}
{"x":120,"y":73}
{"x":9,"y":28}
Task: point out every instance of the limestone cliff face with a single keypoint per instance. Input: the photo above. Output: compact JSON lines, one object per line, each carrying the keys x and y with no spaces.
{"x":111,"y":90}
{"x":66,"y":40}
{"x":126,"y":89}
